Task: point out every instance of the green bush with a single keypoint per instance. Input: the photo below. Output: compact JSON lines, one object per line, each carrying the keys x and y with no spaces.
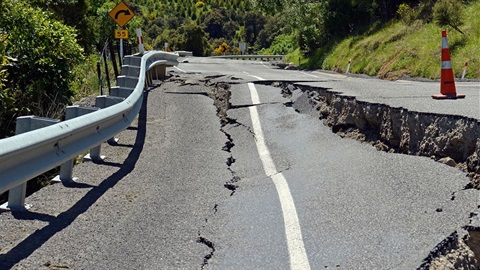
{"x":44,"y":52}
{"x":282,"y":44}
{"x":406,"y":13}
{"x":448,"y":13}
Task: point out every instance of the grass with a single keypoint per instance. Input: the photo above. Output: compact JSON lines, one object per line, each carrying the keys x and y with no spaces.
{"x":86,"y":77}
{"x":399,"y":49}
{"x":297,"y":58}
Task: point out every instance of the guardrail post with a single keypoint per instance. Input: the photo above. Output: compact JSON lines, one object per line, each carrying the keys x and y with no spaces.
{"x":162,"y":71}
{"x":99,"y":72}
{"x":112,"y":56}
{"x":66,"y":169}
{"x":20,"y":156}
{"x":102,"y":102}
{"x":149,"y":81}
{"x":118,"y":91}
{"x":107,"y":75}
{"x":16,"y":195}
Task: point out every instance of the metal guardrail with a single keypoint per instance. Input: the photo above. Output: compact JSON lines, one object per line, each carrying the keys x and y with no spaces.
{"x":29,"y":154}
{"x":253,"y":57}
{"x":184,"y":53}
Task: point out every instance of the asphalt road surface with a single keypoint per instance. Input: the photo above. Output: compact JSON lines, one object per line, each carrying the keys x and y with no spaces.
{"x":272,"y":188}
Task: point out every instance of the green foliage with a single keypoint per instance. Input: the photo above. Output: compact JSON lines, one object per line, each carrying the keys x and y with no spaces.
{"x":310,"y":25}
{"x":406,"y":13}
{"x":271,"y":7}
{"x":6,"y":99}
{"x":282,"y":44}
{"x":254,"y":23}
{"x":448,"y":13}
{"x":214,"y":21}
{"x":85,"y":82}
{"x":74,"y":13}
{"x":399,"y":50}
{"x":45,"y":51}
{"x":195,"y":39}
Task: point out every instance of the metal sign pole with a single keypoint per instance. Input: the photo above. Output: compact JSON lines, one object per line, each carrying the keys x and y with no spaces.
{"x":121,"y":51}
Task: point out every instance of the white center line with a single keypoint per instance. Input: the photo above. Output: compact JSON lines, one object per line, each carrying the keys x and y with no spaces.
{"x":305,"y":73}
{"x":180,"y":69}
{"x":256,"y":77}
{"x":293,"y":232}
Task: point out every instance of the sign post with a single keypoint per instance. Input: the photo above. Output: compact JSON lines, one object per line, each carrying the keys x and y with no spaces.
{"x":121,"y":14}
{"x":141,"y":48}
{"x":242,"y":46}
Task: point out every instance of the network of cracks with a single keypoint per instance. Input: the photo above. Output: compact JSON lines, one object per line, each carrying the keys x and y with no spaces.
{"x":374,"y":124}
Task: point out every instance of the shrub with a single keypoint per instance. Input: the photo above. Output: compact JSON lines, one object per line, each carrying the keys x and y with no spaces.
{"x":406,"y":13}
{"x":45,"y":52}
{"x":448,"y":12}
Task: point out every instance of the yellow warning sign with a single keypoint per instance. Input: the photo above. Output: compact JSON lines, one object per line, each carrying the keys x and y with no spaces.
{"x":121,"y":14}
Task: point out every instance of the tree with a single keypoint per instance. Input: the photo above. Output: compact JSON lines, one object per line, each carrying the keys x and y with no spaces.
{"x":74,"y":13}
{"x":44,"y":52}
{"x":229,"y":28}
{"x":274,"y":26}
{"x":344,"y":17}
{"x":195,"y":39}
{"x":254,"y":23}
{"x":6,"y":99}
{"x":448,"y":12}
{"x":214,"y":21}
{"x":271,"y":7}
{"x":309,"y":23}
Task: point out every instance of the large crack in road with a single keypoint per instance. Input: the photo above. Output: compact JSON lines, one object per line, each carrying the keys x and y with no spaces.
{"x":448,"y":139}
{"x":217,"y":87}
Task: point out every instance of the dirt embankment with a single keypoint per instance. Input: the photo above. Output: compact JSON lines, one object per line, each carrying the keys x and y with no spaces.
{"x":453,"y":140}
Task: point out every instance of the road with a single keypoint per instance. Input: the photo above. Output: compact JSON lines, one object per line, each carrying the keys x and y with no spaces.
{"x":258,"y":184}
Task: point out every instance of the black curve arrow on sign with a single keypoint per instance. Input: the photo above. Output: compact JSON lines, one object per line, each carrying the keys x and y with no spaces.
{"x":125,"y":12}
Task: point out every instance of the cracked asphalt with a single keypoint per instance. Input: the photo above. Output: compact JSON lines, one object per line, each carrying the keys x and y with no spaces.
{"x":185,"y":190}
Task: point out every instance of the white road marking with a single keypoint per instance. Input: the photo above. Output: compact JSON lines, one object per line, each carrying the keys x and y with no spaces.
{"x":293,"y":232}
{"x":256,"y":77}
{"x":339,"y":76}
{"x":308,"y":74}
{"x":181,"y":70}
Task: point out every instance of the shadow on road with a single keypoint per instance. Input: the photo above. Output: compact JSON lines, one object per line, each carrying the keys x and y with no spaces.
{"x":62,"y":221}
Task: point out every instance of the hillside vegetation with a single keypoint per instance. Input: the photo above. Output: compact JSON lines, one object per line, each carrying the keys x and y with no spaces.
{"x":410,"y":48}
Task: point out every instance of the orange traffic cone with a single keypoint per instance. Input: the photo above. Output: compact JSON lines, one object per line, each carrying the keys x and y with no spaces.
{"x":447,"y":80}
